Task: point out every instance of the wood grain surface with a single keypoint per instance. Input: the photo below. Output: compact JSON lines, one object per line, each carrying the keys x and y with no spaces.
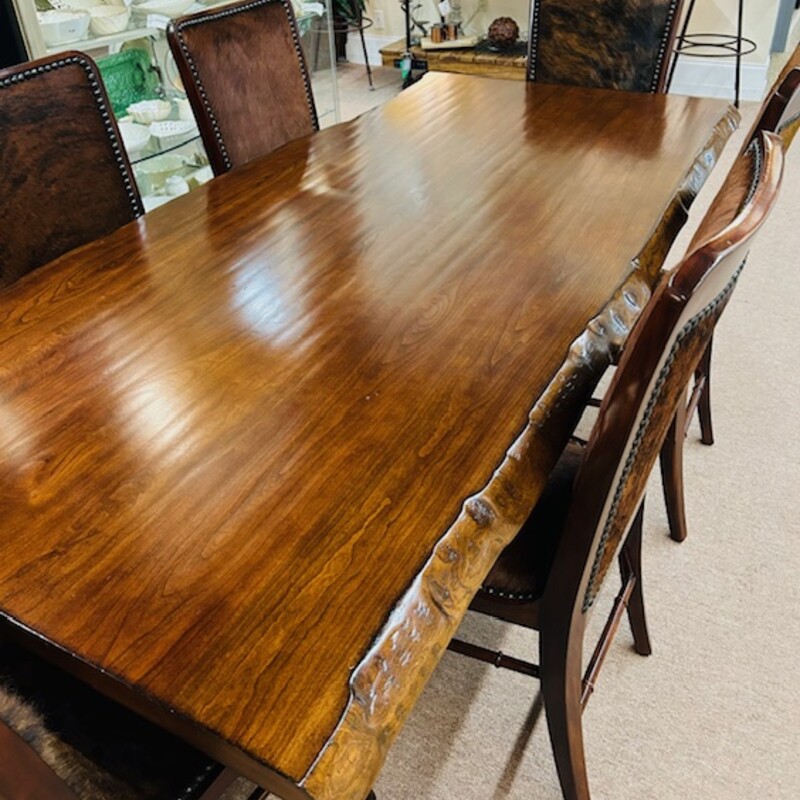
{"x":259,"y":448}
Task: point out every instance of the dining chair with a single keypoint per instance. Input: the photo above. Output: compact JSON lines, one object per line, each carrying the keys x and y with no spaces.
{"x":65,"y":179}
{"x":245,"y":77}
{"x":780,"y":114}
{"x":61,"y":740}
{"x":602,"y":44}
{"x":549,"y":577}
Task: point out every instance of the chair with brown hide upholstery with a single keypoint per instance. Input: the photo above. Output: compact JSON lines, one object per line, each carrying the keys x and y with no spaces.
{"x":602,"y":44}
{"x":61,"y":740}
{"x":64,"y":177}
{"x":549,"y":577}
{"x":780,"y":113}
{"x":245,"y":76}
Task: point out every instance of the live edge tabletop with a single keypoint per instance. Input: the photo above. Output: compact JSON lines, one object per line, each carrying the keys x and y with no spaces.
{"x":259,"y":448}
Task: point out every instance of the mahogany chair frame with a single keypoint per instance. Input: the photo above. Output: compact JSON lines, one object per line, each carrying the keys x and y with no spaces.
{"x":25,"y":776}
{"x":605,"y":512}
{"x":780,"y":114}
{"x":217,"y":138}
{"x":24,"y":772}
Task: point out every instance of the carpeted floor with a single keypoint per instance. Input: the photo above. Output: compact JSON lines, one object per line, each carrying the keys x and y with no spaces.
{"x":714,"y":713}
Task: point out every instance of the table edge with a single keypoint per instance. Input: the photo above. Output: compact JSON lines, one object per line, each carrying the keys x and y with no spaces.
{"x":383,"y":688}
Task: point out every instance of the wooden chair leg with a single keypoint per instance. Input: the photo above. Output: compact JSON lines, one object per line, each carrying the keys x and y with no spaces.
{"x":704,"y":403}
{"x":561,"y":681}
{"x":671,"y":458}
{"x":630,"y":563}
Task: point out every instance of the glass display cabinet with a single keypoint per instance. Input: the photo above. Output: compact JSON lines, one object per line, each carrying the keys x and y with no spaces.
{"x":127,"y":39}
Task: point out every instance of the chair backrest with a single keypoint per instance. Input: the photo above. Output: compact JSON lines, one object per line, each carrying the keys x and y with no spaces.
{"x":780,"y":114}
{"x":659,"y":360}
{"x":602,"y":43}
{"x":781,"y":111}
{"x":64,"y":177}
{"x":245,"y":76}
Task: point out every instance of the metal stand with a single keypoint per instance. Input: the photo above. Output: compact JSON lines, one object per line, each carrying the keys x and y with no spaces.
{"x":736,"y":46}
{"x":407,"y":63}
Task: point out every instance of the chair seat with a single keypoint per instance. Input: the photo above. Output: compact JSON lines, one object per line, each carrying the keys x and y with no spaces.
{"x":520,"y":573}
{"x":99,"y":749}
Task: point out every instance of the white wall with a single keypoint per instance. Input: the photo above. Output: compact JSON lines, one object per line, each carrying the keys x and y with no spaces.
{"x":715,"y":77}
{"x":719,"y":16}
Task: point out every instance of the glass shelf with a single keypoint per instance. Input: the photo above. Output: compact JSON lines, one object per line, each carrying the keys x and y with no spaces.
{"x":153,"y":148}
{"x":134,"y":31}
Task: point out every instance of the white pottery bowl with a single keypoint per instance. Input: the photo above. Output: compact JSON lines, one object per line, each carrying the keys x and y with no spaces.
{"x":134,"y":136}
{"x":63,"y":27}
{"x":107,"y":20}
{"x":169,"y":8}
{"x":147,"y":111}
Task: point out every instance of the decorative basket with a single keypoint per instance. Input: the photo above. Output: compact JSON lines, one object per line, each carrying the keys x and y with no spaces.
{"x":171,"y":132}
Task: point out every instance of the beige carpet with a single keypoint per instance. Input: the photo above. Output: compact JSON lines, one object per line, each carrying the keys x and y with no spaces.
{"x":714,"y":713}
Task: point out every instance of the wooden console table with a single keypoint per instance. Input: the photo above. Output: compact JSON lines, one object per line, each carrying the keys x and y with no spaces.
{"x":466,"y":61}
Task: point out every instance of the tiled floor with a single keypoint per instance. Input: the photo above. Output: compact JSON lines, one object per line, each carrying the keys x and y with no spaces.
{"x":355,"y":96}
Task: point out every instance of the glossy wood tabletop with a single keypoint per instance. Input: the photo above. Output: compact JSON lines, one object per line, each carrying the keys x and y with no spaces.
{"x":233,"y":432}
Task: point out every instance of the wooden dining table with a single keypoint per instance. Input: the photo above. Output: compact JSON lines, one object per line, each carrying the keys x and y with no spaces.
{"x":259,"y":448}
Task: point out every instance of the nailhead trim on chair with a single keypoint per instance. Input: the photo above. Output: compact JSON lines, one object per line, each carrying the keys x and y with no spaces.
{"x":662,"y":48}
{"x":655,"y":396}
{"x":590,"y":595}
{"x":758,"y":158}
{"x":524,"y":597}
{"x":230,"y":12}
{"x":533,"y":55}
{"x":94,"y":83}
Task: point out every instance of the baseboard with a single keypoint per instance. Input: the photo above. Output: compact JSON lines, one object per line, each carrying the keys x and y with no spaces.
{"x":709,"y":77}
{"x":374,"y":43}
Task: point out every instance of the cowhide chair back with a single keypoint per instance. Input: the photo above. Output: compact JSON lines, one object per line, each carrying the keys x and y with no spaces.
{"x":65,"y":179}
{"x":245,"y":76}
{"x":610,"y":44}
